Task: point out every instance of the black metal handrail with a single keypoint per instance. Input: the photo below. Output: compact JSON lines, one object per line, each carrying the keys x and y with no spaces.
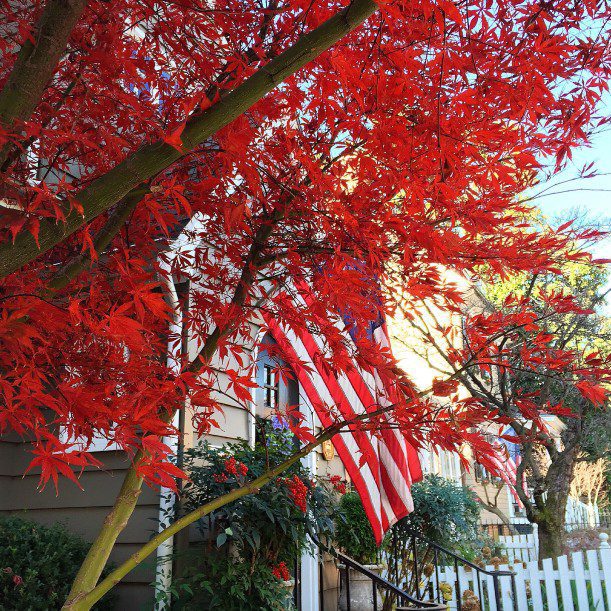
{"x":377,"y":583}
{"x":456,"y":560}
{"x":454,"y":555}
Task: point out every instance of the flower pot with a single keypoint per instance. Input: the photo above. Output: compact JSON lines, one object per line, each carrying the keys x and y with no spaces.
{"x":361,"y":589}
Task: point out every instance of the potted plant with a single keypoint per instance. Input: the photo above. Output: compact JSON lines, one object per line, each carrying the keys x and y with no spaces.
{"x":354,"y":536}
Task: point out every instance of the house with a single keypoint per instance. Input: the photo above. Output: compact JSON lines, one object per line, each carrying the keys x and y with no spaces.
{"x":83,"y":511}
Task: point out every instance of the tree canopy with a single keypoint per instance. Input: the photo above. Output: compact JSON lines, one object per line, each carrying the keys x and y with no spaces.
{"x":403,"y":147}
{"x":330,"y":143}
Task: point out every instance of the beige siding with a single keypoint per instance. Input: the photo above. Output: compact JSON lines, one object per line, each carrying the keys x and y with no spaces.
{"x":503,"y":501}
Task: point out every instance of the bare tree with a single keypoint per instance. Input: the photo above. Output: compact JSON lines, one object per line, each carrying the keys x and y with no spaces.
{"x":588,"y":483}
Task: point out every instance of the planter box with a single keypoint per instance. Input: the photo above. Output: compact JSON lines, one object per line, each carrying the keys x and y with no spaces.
{"x":361,"y":589}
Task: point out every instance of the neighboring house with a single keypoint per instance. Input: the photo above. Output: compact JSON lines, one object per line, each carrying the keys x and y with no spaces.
{"x":494,"y":493}
{"x":420,"y":360}
{"x":414,"y":335}
{"x":82,"y":511}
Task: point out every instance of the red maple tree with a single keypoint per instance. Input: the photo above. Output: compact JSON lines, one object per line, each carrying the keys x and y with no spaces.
{"x":325,"y":142}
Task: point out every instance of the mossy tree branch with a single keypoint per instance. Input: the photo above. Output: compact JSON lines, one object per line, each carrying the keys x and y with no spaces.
{"x":126,"y":501}
{"x":104,"y":192}
{"x":36,"y":63}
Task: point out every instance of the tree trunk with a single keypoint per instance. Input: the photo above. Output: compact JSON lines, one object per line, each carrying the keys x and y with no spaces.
{"x":100,"y":549}
{"x":36,"y":63}
{"x":125,"y":503}
{"x":551,"y":535}
{"x":551,"y":517}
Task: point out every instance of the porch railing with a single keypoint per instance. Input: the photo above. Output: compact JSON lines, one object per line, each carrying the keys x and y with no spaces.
{"x":431,"y":572}
{"x":379,"y":585}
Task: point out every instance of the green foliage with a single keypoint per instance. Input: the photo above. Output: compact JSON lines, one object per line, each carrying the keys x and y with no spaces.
{"x":353,"y":533}
{"x":582,"y":280}
{"x":253,"y":535}
{"x":38,"y":564}
{"x":597,"y":438}
{"x":219,"y":581}
{"x":443,"y":512}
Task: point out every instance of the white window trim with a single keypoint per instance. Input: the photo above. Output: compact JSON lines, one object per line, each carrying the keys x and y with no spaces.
{"x":97,"y":444}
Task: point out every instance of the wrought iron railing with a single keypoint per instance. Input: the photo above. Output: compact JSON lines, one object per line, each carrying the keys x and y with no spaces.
{"x":380,"y":586}
{"x":425,"y":569}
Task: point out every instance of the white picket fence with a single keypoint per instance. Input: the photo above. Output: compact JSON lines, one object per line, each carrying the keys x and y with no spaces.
{"x":581,"y":582}
{"x":579,"y":514}
{"x":520,"y":548}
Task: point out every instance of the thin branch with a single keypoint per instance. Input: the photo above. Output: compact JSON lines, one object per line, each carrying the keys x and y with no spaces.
{"x":36,"y":63}
{"x":146,"y":163}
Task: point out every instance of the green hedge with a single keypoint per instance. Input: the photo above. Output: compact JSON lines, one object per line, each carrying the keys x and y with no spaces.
{"x":38,"y":564}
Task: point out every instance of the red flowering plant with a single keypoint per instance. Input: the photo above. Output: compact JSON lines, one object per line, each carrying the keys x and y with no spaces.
{"x":281,"y":572}
{"x":266,"y":529}
{"x":339,"y":485}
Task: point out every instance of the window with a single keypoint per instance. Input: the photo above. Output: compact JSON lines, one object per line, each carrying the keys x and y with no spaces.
{"x":277,"y":390}
{"x":271,"y":386}
{"x":277,"y":384}
{"x":480,"y":473}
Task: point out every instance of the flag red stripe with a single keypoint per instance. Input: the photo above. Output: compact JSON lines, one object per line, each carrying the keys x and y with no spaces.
{"x":399,"y":506}
{"x":363,"y":439}
{"x":343,"y":452}
{"x":408,"y":463}
{"x":386,"y":471}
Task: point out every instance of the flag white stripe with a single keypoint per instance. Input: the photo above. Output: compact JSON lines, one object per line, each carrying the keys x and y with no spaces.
{"x":325,"y":396}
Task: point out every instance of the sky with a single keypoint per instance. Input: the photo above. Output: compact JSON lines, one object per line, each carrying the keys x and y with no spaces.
{"x":592,"y":195}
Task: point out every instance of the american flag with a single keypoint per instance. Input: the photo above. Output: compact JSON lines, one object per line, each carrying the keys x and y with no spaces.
{"x":381,"y":468}
{"x":506,"y":468}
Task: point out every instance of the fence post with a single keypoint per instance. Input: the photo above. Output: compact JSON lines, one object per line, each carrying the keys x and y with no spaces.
{"x":348,"y":587}
{"x":605,"y":559}
{"x":321,"y":583}
{"x":514,"y":591}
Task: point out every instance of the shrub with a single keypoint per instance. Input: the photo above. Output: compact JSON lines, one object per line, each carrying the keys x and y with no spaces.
{"x":353,"y":533}
{"x":254,"y":535}
{"x":218,"y":581}
{"x":444,"y":512}
{"x":581,"y":540}
{"x":38,"y":564}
